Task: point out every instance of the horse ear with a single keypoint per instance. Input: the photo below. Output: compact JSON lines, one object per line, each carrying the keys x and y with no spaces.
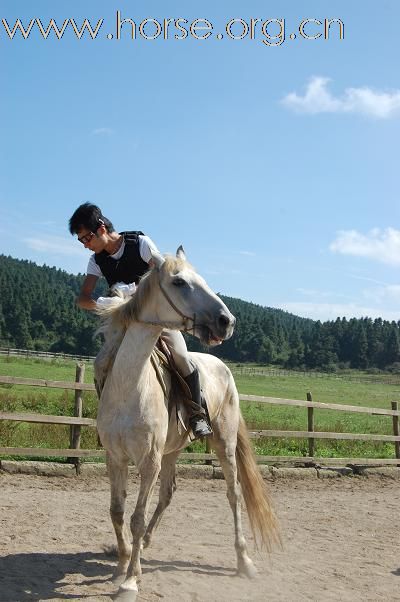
{"x":180,"y":253}
{"x":157,"y":259}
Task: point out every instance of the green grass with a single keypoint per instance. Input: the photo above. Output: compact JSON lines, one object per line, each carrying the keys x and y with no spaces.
{"x":327,"y":390}
{"x":371,"y":393}
{"x":55,"y":369}
{"x":21,"y":398}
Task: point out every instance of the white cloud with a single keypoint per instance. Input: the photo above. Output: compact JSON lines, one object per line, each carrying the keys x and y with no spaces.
{"x":56,"y":245}
{"x":247,"y":253}
{"x":393,"y":290}
{"x":331,"y":311}
{"x":319,"y":99}
{"x":366,"y":278}
{"x":380,"y":245}
{"x":390,"y":293}
{"x":102,"y":132}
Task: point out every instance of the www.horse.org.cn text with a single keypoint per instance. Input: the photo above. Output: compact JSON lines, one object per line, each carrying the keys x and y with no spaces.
{"x":271,"y":32}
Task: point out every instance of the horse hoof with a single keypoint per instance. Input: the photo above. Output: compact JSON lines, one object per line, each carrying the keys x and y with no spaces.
{"x":247,"y":569}
{"x":128,"y":591}
{"x":125,"y":596}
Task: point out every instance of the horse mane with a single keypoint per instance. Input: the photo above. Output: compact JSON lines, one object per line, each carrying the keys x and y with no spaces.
{"x":123,"y":311}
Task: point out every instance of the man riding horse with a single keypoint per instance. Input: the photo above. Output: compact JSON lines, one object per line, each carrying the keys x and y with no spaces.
{"x":122,"y":258}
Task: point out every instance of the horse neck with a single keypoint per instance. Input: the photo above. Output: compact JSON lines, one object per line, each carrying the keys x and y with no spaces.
{"x":133,"y":357}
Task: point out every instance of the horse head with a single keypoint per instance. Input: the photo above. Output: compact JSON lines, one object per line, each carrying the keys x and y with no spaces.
{"x":187,"y":297}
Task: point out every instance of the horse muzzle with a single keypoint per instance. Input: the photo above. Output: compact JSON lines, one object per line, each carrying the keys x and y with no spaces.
{"x":219,"y":330}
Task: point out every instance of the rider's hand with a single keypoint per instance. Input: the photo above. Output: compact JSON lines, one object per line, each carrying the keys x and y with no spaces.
{"x":105,"y":302}
{"x":123,"y":290}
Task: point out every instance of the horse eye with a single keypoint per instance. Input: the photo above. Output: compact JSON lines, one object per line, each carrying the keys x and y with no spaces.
{"x":179,"y":282}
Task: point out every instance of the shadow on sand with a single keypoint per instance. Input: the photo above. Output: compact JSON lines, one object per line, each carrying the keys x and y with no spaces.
{"x":40,"y":576}
{"x":149,"y":566}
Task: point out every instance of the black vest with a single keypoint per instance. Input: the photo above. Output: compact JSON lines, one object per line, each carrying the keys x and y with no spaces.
{"x":129,"y":267}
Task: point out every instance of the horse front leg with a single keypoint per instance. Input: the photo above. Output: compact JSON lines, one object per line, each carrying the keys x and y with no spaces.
{"x":118,"y":475}
{"x":167,"y":489}
{"x":149,"y":471}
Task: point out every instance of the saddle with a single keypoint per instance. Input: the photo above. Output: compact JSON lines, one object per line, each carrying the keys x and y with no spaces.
{"x":179,"y":395}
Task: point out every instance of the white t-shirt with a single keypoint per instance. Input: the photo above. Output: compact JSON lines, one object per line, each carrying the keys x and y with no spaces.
{"x":146,"y":246}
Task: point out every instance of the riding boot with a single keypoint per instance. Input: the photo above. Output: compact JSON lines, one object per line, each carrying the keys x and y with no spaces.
{"x":198,"y":419}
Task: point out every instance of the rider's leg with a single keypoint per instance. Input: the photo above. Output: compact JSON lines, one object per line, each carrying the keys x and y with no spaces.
{"x":105,"y":358}
{"x":101,"y":364}
{"x":197,"y":420}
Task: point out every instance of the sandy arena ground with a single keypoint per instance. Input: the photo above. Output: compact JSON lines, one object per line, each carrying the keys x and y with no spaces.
{"x":341,"y":542}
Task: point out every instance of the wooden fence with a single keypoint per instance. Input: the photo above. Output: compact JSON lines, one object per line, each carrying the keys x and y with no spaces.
{"x":10,"y":352}
{"x":239,"y":369}
{"x":373,"y":379}
{"x":76,"y":422}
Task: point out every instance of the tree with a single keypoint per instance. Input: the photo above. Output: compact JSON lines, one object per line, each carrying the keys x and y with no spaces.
{"x":38,"y":311}
{"x":296,"y":349}
{"x":359,"y":347}
{"x":392,"y":346}
{"x":266,"y":353}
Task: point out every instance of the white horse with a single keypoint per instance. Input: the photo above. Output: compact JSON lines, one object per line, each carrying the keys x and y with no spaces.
{"x":133,"y":421}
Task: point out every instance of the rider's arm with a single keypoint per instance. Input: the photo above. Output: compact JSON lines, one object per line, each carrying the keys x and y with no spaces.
{"x":85,"y":300}
{"x":146,"y":246}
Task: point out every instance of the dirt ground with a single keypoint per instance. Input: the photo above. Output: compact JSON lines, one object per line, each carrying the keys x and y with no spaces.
{"x":341,"y":542}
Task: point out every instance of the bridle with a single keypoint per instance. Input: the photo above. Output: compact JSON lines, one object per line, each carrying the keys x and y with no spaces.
{"x":185,"y":319}
{"x":173,"y":325}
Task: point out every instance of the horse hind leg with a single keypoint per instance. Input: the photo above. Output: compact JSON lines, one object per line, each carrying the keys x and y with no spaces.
{"x":167,"y":489}
{"x":225,"y":448}
{"x":118,"y":475}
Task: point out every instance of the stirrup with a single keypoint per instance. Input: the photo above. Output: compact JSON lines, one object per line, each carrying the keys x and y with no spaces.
{"x":200,"y":427}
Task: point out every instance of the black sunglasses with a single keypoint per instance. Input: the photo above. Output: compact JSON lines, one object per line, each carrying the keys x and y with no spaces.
{"x":86,"y":238}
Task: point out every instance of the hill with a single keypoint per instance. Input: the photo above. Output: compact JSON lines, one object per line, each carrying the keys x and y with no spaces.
{"x":38,"y":311}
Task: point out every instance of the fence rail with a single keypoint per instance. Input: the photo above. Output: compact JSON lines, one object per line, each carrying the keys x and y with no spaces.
{"x":317,"y":404}
{"x":235,"y":368}
{"x":74,"y":453}
{"x":47,"y":419}
{"x":40,"y":382}
{"x":44,"y":354}
{"x":379,"y":378}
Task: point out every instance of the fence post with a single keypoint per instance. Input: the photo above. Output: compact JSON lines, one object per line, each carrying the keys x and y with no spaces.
{"x":395,"y":406}
{"x":310,"y":413}
{"x":75,"y":436}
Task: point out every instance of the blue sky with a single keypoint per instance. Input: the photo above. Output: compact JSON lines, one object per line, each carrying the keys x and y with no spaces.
{"x":275,"y":166}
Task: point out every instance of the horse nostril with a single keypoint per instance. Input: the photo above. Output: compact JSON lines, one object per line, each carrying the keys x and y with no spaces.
{"x":223,"y":321}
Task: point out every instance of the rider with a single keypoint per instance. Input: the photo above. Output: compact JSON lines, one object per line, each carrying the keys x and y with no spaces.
{"x":122,"y":258}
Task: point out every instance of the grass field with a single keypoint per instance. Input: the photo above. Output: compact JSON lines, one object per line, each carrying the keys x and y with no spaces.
{"x":372,"y":393}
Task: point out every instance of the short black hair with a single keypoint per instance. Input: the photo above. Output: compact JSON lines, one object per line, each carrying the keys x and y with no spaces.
{"x":89,"y":216}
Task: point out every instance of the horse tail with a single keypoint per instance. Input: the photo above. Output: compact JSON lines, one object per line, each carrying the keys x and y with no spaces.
{"x":263,"y":521}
